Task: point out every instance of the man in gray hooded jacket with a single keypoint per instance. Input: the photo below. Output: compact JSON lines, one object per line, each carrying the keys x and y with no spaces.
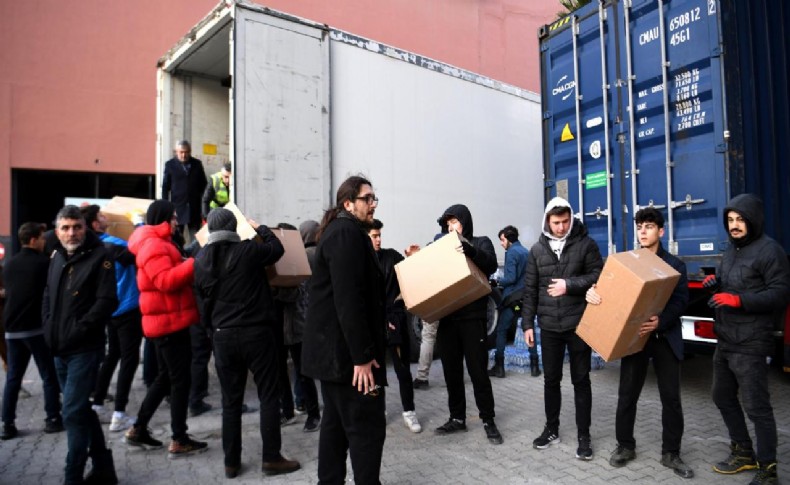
{"x":562,"y":265}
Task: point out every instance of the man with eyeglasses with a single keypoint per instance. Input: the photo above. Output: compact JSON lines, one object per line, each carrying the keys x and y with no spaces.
{"x":344,"y":339}
{"x":78,"y":303}
{"x":665,"y":348}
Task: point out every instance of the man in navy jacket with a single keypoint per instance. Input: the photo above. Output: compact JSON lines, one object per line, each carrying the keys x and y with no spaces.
{"x":183,"y":184}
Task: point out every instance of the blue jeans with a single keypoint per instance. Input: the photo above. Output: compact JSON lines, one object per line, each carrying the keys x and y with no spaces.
{"x":77,"y":375}
{"x":507,"y":317}
{"x":749,"y":374}
{"x":19,"y":353}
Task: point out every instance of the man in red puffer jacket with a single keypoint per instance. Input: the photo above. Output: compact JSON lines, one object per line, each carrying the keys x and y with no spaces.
{"x":168,"y":306}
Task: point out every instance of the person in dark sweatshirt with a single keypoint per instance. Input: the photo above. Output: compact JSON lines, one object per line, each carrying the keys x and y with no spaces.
{"x":25,"y":276}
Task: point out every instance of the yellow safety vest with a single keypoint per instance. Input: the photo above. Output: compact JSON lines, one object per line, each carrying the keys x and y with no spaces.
{"x":221,"y":192}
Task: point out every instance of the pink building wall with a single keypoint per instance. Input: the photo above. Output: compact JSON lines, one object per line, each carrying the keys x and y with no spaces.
{"x":78,"y":84}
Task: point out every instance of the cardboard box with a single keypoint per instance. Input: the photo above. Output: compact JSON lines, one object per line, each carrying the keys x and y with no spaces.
{"x":634,"y":286}
{"x":438,"y":280}
{"x":123,"y":214}
{"x":243,"y":228}
{"x":293,"y":267}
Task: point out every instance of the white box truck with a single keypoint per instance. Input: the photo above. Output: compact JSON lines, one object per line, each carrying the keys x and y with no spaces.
{"x":298,"y":106}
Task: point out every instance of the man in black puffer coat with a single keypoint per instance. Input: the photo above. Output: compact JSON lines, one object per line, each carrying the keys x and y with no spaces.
{"x":462,"y":335}
{"x":562,"y":265}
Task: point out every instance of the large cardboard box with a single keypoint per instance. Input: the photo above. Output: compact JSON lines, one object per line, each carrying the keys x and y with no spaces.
{"x":439,"y":279}
{"x":123,"y":214}
{"x":243,"y":228}
{"x":634,"y":286}
{"x":293,"y":267}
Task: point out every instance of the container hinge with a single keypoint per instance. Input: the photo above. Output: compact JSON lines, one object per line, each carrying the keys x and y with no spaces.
{"x":687,"y":202}
{"x":716,"y":51}
{"x":650,"y":203}
{"x":547,"y":115}
{"x":544,"y":47}
{"x":549,"y":184}
{"x":627,"y":3}
{"x":598,"y":213}
{"x":621,"y":138}
{"x":673,"y":248}
{"x":721,"y":148}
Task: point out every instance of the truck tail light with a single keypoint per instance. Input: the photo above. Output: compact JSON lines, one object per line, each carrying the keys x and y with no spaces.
{"x":704,"y":329}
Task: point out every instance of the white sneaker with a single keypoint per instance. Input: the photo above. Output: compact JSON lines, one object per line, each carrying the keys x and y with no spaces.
{"x":410,"y":418}
{"x":121,"y":421}
{"x":104,"y":414}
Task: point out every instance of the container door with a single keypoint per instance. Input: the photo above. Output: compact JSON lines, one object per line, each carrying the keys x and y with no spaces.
{"x":677,"y":144}
{"x":581,"y":107}
{"x":280,"y":117}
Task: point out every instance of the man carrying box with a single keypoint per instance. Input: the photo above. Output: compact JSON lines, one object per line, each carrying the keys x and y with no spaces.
{"x":665,"y":347}
{"x":562,"y":266}
{"x":462,"y":335}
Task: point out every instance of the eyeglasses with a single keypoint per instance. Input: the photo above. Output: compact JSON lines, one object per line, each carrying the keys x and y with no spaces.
{"x":369,"y":199}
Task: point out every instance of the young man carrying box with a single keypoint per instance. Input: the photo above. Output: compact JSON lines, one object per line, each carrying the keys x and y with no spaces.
{"x":665,"y":347}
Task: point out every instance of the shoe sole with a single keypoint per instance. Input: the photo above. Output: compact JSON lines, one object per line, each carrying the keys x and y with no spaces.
{"x":142,"y":445}
{"x":737,"y":470}
{"x":445,"y":433}
{"x":184,"y":454}
{"x":280,"y":472}
{"x":620,"y":464}
{"x":583,"y":458}
{"x":547,"y":445}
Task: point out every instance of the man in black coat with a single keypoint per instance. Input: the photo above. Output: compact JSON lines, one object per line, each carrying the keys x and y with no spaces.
{"x":79,"y":301}
{"x":752,"y":291}
{"x":25,"y":276}
{"x":344,"y":340}
{"x":462,"y":335}
{"x":665,"y":348}
{"x":236,"y":303}
{"x":562,"y":266}
{"x":183,"y":184}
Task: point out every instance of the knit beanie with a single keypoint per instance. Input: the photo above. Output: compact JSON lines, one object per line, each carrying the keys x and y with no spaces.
{"x":221,"y":219}
{"x":159,"y":211}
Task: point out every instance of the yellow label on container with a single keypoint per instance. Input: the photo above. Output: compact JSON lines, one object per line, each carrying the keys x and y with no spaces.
{"x":209,"y":149}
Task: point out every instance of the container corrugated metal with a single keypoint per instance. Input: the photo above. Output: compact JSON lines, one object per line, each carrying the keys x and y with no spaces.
{"x":677,"y":104}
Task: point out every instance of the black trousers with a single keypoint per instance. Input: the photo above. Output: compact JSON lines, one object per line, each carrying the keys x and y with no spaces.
{"x":237,"y":351}
{"x":400,"y":355}
{"x":201,"y":354}
{"x":466,"y":340}
{"x":553,"y":345}
{"x":174,"y":356}
{"x":633,"y":370}
{"x":354,"y":423}
{"x":124,"y":334}
{"x":309,"y":391}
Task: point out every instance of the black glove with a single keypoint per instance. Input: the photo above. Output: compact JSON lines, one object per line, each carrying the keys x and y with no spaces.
{"x":468,"y":249}
{"x":711,"y":282}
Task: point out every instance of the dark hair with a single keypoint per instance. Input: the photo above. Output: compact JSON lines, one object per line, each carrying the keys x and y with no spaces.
{"x":510,"y":232}
{"x":285,"y":225}
{"x":559,"y":210}
{"x":90,"y":213}
{"x":29,"y":230}
{"x":649,"y":214}
{"x":376,"y":226}
{"x":348,"y":191}
{"x":69,"y":212}
{"x":226,"y":167}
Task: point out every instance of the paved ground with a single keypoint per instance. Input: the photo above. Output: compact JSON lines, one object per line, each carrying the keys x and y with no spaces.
{"x":38,"y":458}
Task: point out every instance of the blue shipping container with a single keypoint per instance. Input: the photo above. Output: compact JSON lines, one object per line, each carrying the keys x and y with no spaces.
{"x":677,"y":104}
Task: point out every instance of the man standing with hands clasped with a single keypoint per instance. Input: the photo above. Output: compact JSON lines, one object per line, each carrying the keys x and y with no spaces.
{"x":665,"y":348}
{"x":751,"y":296}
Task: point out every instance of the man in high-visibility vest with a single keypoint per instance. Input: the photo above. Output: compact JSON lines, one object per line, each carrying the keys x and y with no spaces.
{"x":217,"y":192}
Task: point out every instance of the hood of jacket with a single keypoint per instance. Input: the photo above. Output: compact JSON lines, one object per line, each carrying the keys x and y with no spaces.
{"x":556,"y":202}
{"x":750,"y":207}
{"x":309,"y":232}
{"x":460,"y":212}
{"x":143,"y":234}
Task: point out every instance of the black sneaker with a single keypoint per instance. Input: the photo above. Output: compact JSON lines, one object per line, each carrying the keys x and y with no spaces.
{"x":186,"y":446}
{"x":492,"y":433}
{"x":740,"y":459}
{"x":451,"y":426}
{"x":673,"y":461}
{"x":546,"y":439}
{"x":584,"y":451}
{"x":54,"y":425}
{"x":9,"y":432}
{"x":621,"y":455}
{"x":312,"y":424}
{"x":420,"y":383}
{"x":766,"y":475}
{"x":199,"y":408}
{"x":141,"y":437}
{"x":300,"y":409}
{"x":284,"y":421}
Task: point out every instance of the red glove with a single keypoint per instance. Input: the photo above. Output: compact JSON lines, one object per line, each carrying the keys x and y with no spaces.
{"x":710,"y":281}
{"x":724,"y":299}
